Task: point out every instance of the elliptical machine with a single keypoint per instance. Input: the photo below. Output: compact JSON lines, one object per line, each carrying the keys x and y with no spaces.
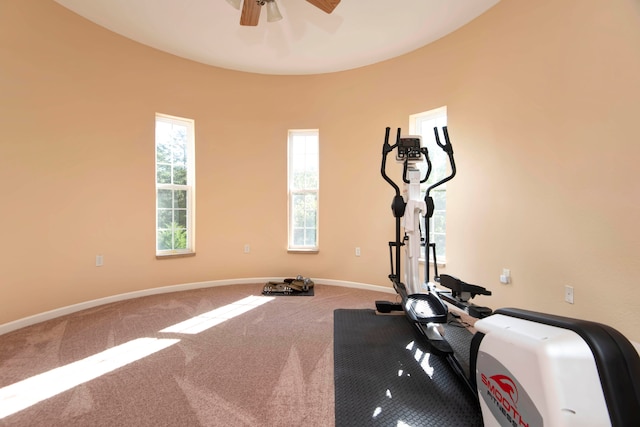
{"x":421,"y":302}
{"x":526,"y":368}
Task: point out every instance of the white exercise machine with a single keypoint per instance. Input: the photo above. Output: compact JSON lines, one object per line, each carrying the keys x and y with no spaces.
{"x":525,"y":368}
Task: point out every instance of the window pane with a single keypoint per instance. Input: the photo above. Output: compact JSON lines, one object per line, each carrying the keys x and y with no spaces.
{"x":311,"y":145}
{"x":439,"y":199}
{"x":163,"y":129}
{"x":311,"y":179}
{"x":310,"y":238}
{"x":163,"y":152}
{"x":180,"y":238}
{"x":180,"y":199}
{"x":310,"y":210}
{"x":298,"y":160}
{"x":439,"y":225}
{"x":165,"y":218}
{"x":181,"y":218}
{"x":298,"y":236}
{"x":164,"y":240}
{"x":439,"y":239}
{"x":298,"y":210}
{"x":179,"y":151}
{"x":180,"y":175}
{"x":164,"y":199}
{"x":164,"y":174}
{"x":310,"y":218}
{"x":298,"y":180}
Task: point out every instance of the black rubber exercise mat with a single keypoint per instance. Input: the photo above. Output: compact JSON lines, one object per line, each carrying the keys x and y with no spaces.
{"x":385,"y":376}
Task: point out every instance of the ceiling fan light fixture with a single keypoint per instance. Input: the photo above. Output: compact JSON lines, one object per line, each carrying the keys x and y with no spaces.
{"x":273,"y":13}
{"x":234,"y":3}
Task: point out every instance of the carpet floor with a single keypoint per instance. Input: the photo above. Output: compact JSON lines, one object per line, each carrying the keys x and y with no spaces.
{"x":228,"y":356}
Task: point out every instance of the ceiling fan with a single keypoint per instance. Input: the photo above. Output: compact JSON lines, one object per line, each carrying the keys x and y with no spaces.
{"x":251,"y":9}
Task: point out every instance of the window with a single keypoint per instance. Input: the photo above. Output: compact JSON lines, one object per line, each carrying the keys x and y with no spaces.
{"x":423,"y":124}
{"x":303,"y":190}
{"x":175,"y":185}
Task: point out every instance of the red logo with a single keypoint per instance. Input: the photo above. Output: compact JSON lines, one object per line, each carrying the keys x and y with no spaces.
{"x":507,"y":385}
{"x":502,"y":390}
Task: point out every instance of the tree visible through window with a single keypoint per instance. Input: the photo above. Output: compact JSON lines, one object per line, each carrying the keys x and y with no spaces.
{"x":174,"y":184}
{"x":303,"y":189}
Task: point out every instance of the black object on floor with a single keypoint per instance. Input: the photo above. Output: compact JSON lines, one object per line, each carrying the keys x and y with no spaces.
{"x":385,"y":375}
{"x":298,"y":286}
{"x":308,"y":293}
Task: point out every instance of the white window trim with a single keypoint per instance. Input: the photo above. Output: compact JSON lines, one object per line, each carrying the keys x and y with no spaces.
{"x":291,"y":248}
{"x":190,"y":187}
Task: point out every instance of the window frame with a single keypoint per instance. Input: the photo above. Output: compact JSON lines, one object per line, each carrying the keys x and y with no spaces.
{"x":292,"y":192}
{"x":189,"y":187}
{"x":416,"y":123}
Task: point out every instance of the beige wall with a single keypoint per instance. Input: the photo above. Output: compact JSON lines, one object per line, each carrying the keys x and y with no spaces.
{"x":542,"y":100}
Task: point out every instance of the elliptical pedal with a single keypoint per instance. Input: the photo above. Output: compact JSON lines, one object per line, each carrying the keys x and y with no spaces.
{"x":426,"y":308}
{"x":388,"y":306}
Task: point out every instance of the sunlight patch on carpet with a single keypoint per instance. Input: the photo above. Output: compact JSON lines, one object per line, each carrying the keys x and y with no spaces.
{"x":204,"y":321}
{"x":28,"y":392}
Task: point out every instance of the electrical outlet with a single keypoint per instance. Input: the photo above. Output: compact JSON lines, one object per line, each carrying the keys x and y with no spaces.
{"x":99,"y":260}
{"x":505,"y":277}
{"x":357,"y":251}
{"x":247,"y":248}
{"x":568,"y":294}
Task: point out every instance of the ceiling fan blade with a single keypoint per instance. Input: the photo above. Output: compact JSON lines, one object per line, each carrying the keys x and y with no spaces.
{"x":250,"y":13}
{"x":325,"y":5}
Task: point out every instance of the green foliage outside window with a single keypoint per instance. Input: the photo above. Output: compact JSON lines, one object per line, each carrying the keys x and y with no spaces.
{"x":172,"y":238}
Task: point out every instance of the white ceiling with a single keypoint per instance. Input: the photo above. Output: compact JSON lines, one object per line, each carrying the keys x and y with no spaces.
{"x":305,"y":41}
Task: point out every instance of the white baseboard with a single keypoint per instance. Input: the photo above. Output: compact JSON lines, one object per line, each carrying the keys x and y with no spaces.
{"x":52,"y":314}
{"x":376,"y":288}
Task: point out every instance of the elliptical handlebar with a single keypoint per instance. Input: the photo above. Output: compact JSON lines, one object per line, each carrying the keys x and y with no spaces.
{"x":386,"y":149}
{"x":447,"y":148}
{"x":447,"y":144}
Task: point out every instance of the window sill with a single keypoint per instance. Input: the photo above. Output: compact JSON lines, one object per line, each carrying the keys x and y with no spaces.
{"x":303,"y":251}
{"x":442,"y":264}
{"x":176,"y":255}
